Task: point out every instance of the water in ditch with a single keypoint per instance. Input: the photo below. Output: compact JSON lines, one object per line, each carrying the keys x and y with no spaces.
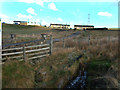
{"x":79,"y":81}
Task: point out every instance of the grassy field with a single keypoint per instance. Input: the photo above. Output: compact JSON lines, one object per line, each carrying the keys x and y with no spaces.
{"x":100,"y":53}
{"x":28,"y":33}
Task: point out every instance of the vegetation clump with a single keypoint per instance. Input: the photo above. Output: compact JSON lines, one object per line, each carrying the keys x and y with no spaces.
{"x":16,"y":74}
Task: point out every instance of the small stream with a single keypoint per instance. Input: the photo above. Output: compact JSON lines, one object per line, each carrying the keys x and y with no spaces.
{"x":79,"y":81}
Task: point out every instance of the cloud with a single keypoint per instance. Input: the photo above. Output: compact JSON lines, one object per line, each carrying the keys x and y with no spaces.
{"x":39,"y":2}
{"x":41,"y":9}
{"x":27,"y":1}
{"x":64,"y":0}
{"x":43,"y":22}
{"x":104,"y":14}
{"x":24,"y":16}
{"x":37,"y":20}
{"x":52,"y":6}
{"x":59,"y":19}
{"x":3,"y":16}
{"x":31,"y":11}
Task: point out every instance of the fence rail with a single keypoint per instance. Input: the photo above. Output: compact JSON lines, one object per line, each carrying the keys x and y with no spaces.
{"x":12,"y":49}
{"x":27,"y":52}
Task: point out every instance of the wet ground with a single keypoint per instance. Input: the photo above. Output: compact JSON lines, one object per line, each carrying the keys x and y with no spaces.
{"x":79,"y":81}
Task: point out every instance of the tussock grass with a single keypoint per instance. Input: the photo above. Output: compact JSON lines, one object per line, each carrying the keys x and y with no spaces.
{"x":17,"y":74}
{"x":103,"y":55}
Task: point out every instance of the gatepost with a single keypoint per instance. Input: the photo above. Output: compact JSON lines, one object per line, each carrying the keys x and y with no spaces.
{"x":0,"y":55}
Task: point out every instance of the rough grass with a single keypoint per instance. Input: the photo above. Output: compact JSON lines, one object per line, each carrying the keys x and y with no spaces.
{"x":17,"y":74}
{"x":101,"y":55}
{"x":56,"y":70}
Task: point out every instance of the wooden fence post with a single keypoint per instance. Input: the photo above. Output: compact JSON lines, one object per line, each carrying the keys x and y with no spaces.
{"x":97,"y":40}
{"x":109,"y":39}
{"x":24,"y":54}
{"x":89,"y":40}
{"x":51,"y":44}
{"x":63,"y":43}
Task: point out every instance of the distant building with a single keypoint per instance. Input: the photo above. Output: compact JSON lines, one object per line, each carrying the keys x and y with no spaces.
{"x":25,"y":23}
{"x":60,"y":26}
{"x":83,"y":27}
{"x":33,"y":23}
{"x":20,"y":22}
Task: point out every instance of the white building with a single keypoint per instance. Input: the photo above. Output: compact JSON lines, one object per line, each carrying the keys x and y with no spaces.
{"x":60,"y":26}
{"x":33,"y":23}
{"x":83,"y":27}
{"x":26,"y":23}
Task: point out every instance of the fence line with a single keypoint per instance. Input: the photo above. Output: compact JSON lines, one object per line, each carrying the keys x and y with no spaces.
{"x":38,"y":46}
{"x":27,"y":52}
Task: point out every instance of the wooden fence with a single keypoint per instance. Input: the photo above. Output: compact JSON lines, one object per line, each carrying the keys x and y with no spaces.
{"x":27,"y":52}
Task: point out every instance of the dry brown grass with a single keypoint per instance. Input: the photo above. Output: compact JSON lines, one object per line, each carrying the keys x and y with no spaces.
{"x":100,"y":48}
{"x":56,"y":70}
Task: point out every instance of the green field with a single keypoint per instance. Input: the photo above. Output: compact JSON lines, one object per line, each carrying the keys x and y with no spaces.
{"x":19,"y":29}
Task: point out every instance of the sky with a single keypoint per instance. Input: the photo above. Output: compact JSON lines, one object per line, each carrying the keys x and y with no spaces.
{"x":103,"y":13}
